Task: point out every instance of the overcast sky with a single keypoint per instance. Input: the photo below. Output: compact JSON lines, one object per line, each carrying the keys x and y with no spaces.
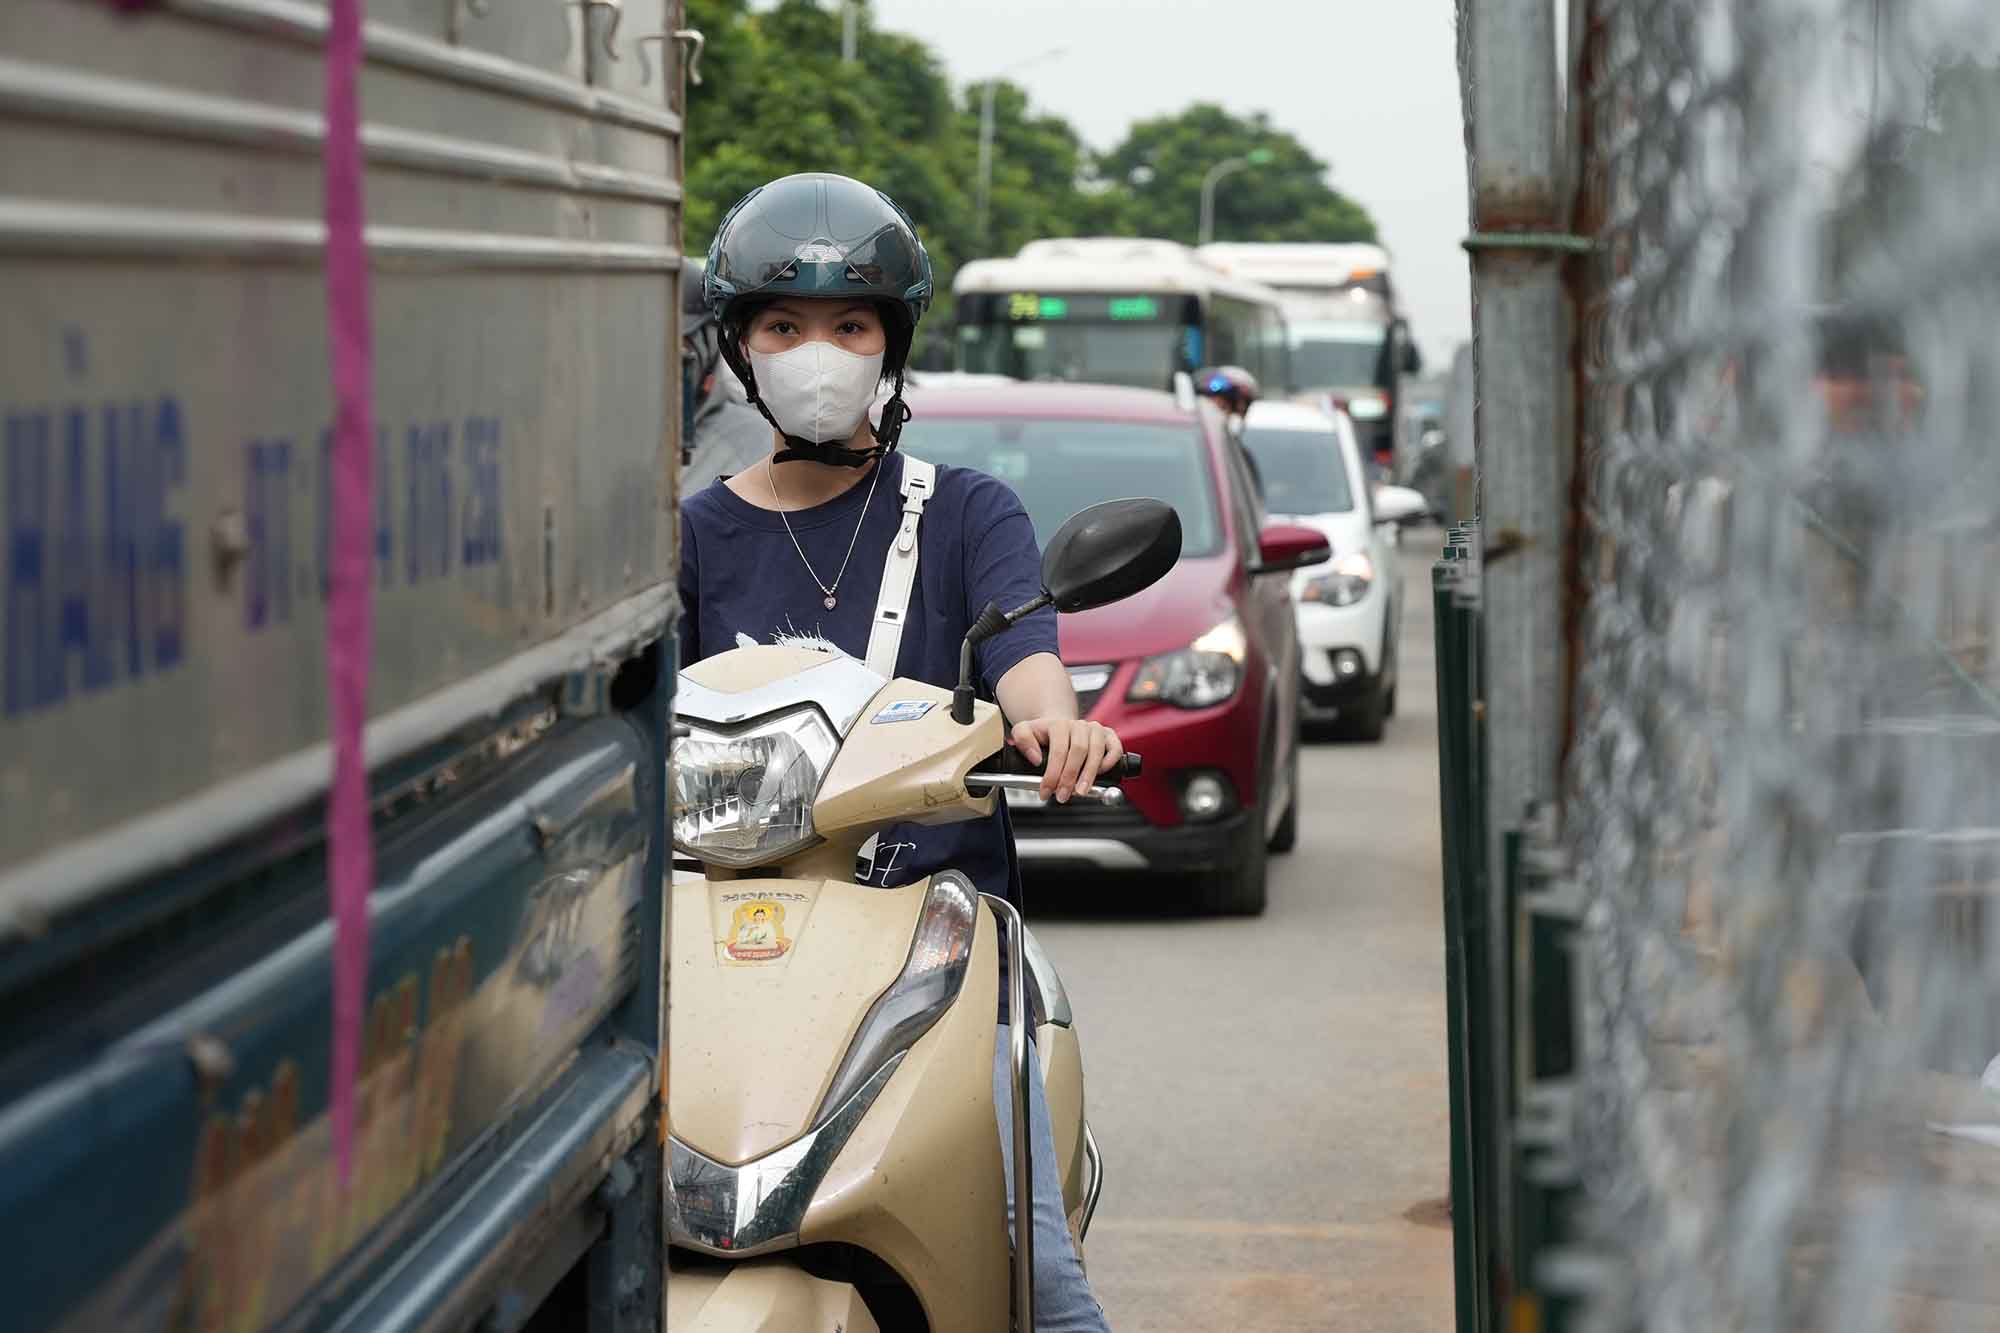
{"x":1371,"y":87}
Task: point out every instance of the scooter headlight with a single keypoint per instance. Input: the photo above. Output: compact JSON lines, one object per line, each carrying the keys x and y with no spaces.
{"x":745,"y":798}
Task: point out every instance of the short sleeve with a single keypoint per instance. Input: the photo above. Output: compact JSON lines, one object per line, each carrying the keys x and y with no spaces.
{"x":1004,"y":566}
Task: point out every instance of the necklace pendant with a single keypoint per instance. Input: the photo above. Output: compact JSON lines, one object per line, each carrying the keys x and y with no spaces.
{"x":831,"y":601}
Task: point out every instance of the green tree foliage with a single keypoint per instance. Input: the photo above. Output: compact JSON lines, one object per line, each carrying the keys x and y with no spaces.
{"x":775,"y":99}
{"x":1161,"y":163}
{"x":1038,"y":162}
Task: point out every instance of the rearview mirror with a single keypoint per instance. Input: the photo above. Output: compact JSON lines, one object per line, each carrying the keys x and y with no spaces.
{"x":1285,"y":546}
{"x":1106,"y":552}
{"x":1110,"y":551}
{"x":1409,"y":360}
{"x":1399,"y":504}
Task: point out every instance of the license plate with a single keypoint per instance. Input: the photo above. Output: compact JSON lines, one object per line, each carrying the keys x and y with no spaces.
{"x":1025,"y":800}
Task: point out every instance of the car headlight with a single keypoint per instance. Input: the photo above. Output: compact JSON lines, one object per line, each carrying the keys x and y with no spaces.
{"x":1206,"y":672}
{"x":1367,"y":407}
{"x":745,"y":798}
{"x":1346,"y":583}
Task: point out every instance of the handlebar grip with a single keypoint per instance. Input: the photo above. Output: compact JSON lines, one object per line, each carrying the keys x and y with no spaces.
{"x":1128,"y":767}
{"x":1011,"y":760}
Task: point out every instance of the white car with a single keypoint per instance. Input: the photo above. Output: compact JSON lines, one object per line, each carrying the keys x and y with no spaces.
{"x":1349,"y":608}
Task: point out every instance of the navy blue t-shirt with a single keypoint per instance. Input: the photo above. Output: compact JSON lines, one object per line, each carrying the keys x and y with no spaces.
{"x":742,"y":582}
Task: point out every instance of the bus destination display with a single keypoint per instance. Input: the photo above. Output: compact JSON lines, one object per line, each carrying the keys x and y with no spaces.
{"x":1034,"y":307}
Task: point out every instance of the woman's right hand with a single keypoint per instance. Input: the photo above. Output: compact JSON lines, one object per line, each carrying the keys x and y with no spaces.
{"x":1076,"y":751}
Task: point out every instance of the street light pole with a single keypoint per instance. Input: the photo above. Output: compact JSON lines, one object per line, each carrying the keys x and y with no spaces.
{"x":983,"y":193}
{"x":1208,"y":183}
{"x":1256,"y":157}
{"x":985,"y":187}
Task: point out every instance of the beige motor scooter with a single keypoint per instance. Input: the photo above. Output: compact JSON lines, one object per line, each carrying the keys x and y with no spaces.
{"x":834,"y":1160}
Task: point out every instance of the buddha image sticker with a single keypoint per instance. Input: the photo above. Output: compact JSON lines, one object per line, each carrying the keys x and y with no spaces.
{"x":756,"y":932}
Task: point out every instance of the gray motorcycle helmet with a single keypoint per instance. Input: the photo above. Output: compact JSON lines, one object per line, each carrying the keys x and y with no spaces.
{"x":820,"y":235}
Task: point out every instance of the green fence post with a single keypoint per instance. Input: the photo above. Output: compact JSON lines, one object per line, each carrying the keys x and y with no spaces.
{"x":1545,"y":910}
{"x":1461,"y":857}
{"x":1485,"y":996}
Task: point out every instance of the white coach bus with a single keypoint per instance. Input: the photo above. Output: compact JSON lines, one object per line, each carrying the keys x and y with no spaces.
{"x":1115,"y":310}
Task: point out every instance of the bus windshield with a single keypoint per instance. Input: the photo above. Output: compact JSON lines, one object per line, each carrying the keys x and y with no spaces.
{"x":1140,"y":355}
{"x":1058,"y":467}
{"x":1339,"y":356}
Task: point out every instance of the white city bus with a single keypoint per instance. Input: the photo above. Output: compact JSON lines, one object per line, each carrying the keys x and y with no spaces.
{"x":1115,"y":310}
{"x":1349,"y":341}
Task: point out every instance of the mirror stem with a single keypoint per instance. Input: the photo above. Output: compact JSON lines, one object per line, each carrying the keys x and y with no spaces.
{"x":961,"y":698}
{"x":991,"y":621}
{"x":1027,"y":609}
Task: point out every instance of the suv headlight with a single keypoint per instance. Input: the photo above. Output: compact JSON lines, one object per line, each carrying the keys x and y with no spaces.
{"x":1346,"y":583}
{"x":1206,"y":672}
{"x":745,"y":798}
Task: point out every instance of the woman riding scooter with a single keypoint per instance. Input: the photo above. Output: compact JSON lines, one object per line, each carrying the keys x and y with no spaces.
{"x":835,"y":540}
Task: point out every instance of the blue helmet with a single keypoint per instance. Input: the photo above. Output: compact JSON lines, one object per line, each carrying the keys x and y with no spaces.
{"x":1232,"y":386}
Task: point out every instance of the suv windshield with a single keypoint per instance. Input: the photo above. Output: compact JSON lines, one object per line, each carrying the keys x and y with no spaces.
{"x":1302,"y":469}
{"x":1059,"y":467}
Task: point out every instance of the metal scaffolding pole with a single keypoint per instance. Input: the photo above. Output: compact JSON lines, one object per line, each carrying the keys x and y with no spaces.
{"x":1524,"y":458}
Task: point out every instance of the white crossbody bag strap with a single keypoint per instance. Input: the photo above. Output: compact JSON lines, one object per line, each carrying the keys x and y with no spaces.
{"x":899,"y":575}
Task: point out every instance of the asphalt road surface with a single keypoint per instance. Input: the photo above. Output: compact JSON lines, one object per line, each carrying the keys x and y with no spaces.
{"x":1270,"y":1094}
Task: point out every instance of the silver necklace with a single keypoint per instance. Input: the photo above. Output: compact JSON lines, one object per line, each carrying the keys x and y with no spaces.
{"x":771,"y":476}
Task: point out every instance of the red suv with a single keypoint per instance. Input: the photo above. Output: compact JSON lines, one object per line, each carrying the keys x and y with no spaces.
{"x":1200,"y":672}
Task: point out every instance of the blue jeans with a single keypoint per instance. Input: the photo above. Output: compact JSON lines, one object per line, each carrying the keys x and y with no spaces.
{"x":1063,"y":1303}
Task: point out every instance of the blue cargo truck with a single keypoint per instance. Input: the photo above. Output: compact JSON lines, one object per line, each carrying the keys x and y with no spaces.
{"x":166,"y":944}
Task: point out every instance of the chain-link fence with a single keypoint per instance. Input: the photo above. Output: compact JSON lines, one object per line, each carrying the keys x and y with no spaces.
{"x":1780,"y":786}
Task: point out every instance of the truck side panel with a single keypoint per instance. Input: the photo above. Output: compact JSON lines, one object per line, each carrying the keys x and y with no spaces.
{"x":165,"y":948}
{"x":164,"y":401}
{"x":180,"y":1174}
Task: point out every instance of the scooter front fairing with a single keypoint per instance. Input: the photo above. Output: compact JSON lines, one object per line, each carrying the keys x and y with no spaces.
{"x":797,"y":1117}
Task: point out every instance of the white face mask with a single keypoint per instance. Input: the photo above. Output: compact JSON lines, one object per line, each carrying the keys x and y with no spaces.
{"x":817,"y":391}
